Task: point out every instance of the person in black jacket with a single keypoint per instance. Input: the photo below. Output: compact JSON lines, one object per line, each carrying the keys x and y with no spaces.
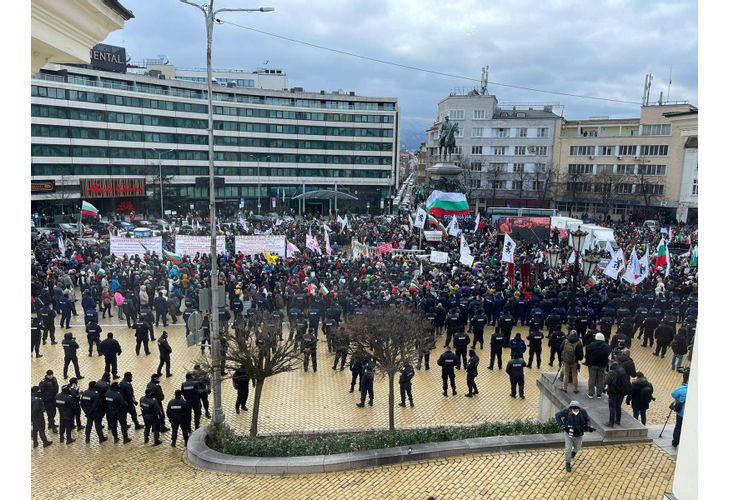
{"x":406,"y":375}
{"x":664,"y":334}
{"x":48,"y":326}
{"x":618,"y":385}
{"x":516,"y":370}
{"x":241,"y":379}
{"x":126,"y":389}
{"x":478,"y":322}
{"x":555,"y":340}
{"x":67,"y":410}
{"x":70,"y":346}
{"x":642,"y":393}
{"x":160,"y":304}
{"x":48,"y":389}
{"x":597,"y":354}
{"x":461,"y":343}
{"x":142,"y":334}
{"x":156,"y":391}
{"x":35,"y":337}
{"x":152,"y":415}
{"x":535,"y":340}
{"x":357,"y":360}
{"x":471,"y":373}
{"x":191,"y":389}
{"x":165,"y":351}
{"x":116,"y":412}
{"x":447,"y":361}
{"x":366,"y":383}
{"x":650,"y":324}
{"x":178,"y":412}
{"x":91,"y":405}
{"x":93,"y":337}
{"x":575,"y":422}
{"x":38,"y":422}
{"x":495,"y":349}
{"x":110,"y":348}
{"x":679,"y":348}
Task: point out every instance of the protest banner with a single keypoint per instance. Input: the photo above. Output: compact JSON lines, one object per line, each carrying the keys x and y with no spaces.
{"x":190,"y":245}
{"x":260,"y":243}
{"x":119,"y":245}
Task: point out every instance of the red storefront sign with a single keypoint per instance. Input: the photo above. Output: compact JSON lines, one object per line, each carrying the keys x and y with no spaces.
{"x":112,"y":188}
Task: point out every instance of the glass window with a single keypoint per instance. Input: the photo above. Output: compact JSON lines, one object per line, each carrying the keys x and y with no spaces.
{"x":456,"y":114}
{"x":521,"y":132}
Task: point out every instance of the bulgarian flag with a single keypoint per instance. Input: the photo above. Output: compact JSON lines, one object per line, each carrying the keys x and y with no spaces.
{"x":173,"y":257}
{"x":88,"y":209}
{"x":441,"y":203}
{"x":323,"y":289}
{"x":592,"y":280}
{"x":662,"y":256}
{"x":433,"y":221}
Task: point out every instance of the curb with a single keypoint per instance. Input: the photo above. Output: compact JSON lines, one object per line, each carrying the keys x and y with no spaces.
{"x":200,"y":455}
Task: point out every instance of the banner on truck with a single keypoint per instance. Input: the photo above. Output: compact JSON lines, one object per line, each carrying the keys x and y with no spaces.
{"x":119,"y":245}
{"x":190,"y":245}
{"x":261,"y":243}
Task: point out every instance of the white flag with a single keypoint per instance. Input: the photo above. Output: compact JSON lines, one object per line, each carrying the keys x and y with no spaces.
{"x":410,"y":220}
{"x":279,"y":222}
{"x":327,"y":246}
{"x":346,"y":222}
{"x":326,"y":228}
{"x":420,"y":218}
{"x":467,"y":260}
{"x":644,"y":267}
{"x":61,"y":246}
{"x":669,"y":262}
{"x":508,"y":249}
{"x":291,"y":248}
{"x":633,"y":272}
{"x":342,"y":222}
{"x":615,"y":265}
{"x":313,"y":244}
{"x":609,"y":248}
{"x":476,"y":223}
{"x":464,"y":247}
{"x":453,"y":227}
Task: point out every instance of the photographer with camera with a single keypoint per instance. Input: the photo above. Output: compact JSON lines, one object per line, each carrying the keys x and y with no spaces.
{"x":680,"y":397}
{"x":575,"y":422}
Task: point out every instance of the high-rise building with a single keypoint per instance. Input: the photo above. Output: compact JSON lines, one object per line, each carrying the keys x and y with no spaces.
{"x":106,"y":136}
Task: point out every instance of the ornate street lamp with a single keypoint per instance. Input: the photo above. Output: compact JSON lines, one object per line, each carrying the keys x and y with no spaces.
{"x":553,"y":256}
{"x":590,"y":262}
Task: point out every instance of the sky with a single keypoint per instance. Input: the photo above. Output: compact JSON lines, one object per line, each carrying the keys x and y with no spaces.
{"x":599,"y":48}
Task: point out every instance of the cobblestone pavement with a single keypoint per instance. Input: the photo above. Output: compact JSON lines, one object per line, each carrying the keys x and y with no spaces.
{"x":313,"y":401}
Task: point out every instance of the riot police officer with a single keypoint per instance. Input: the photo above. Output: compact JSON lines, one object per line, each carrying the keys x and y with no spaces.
{"x":70,"y":346}
{"x":461,"y":343}
{"x":116,"y":412}
{"x":93,"y":336}
{"x":35,"y":337}
{"x":471,"y":373}
{"x":191,"y":389}
{"x":142,"y":334}
{"x":91,"y":405}
{"x":406,"y":375}
{"x":555,"y":340}
{"x":37,"y":420}
{"x":366,"y":383}
{"x":154,"y":386}
{"x":67,"y":410}
{"x":241,"y":379}
{"x":309,"y":347}
{"x":535,"y":339}
{"x":202,"y":376}
{"x":178,"y":412}
{"x":165,"y":351}
{"x":446,"y":361}
{"x":152,"y":415}
{"x":425,"y":342}
{"x":48,"y":326}
{"x":48,"y":389}
{"x":357,"y":361}
{"x":341,"y":344}
{"x":496,"y":342}
{"x":478,"y":322}
{"x":505,"y":324}
{"x":111,"y":348}
{"x":516,"y":370}
{"x":127,"y":391}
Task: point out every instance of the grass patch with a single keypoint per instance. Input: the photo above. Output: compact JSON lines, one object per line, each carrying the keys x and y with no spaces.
{"x":224,"y":440}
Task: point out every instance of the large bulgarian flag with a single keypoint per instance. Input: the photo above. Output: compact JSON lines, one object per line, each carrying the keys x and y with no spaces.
{"x":88,"y":209}
{"x":441,"y":203}
{"x":173,"y":257}
{"x":661,"y":254}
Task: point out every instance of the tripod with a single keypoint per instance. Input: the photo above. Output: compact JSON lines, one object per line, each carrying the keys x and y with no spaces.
{"x":665,"y":422}
{"x":560,"y":365}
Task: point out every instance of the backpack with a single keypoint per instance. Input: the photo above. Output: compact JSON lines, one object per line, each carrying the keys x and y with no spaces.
{"x":569,"y":357}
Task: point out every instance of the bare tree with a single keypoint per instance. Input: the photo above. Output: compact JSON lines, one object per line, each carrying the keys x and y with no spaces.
{"x":493,"y":175}
{"x":253,"y":345}
{"x":647,"y":186}
{"x":391,"y":338}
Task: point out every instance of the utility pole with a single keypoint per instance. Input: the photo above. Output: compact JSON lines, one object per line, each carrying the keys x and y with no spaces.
{"x":159,"y":165}
{"x":209,"y":13}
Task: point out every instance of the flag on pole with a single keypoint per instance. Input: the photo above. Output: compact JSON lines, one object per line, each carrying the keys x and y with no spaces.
{"x":313,"y":244}
{"x":88,"y":209}
{"x":173,"y":257}
{"x":420,"y":218}
{"x":440,"y":203}
{"x":669,"y":263}
{"x":291,"y":248}
{"x":327,"y":246}
{"x":271,"y":259}
{"x":508,"y":249}
{"x":633,"y":271}
{"x":661,"y":254}
{"x":410,"y":221}
{"x":644,"y":267}
{"x":615,"y":265}
{"x":323,"y":289}
{"x":61,"y":246}
{"x":476,"y":223}
{"x":453,"y":227}
{"x":464,"y":246}
{"x":693,"y":258}
{"x":433,"y":221}
{"x":592,"y":280}
{"x":609,"y":248}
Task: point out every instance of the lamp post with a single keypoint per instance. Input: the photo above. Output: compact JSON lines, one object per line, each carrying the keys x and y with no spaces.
{"x":159,"y":164}
{"x":553,"y":256}
{"x":209,"y":13}
{"x":579,"y":237}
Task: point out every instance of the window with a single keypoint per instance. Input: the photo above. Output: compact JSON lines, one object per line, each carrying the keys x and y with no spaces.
{"x":627,"y":150}
{"x":459,"y":133}
{"x":542,"y":132}
{"x":476,"y":150}
{"x":625,"y":169}
{"x":603,"y":187}
{"x":480,"y":114}
{"x":624,"y":188}
{"x":536,"y":185}
{"x":500,"y":132}
{"x":541,"y":150}
{"x":648,"y":169}
{"x":476,"y":166}
{"x":518,"y":167}
{"x":580,"y":168}
{"x":655,"y":189}
{"x":605,"y":150}
{"x":663,"y":129}
{"x":582,"y":150}
{"x":519,"y":150}
{"x":540,"y":167}
{"x":477,"y":132}
{"x":498,"y":150}
{"x":498,"y":184}
{"x":604,"y":168}
{"x":474,"y":183}
{"x":456,"y":114}
{"x":521,"y":132}
{"x":497,"y":167}
{"x":517,"y":185}
{"x":658,"y":150}
{"x":694,"y":187}
{"x":579,"y":187}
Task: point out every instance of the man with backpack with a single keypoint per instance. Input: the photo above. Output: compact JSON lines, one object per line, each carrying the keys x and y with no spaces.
{"x":642,"y":393}
{"x":679,"y":348}
{"x":618,"y":385}
{"x":572,"y":354}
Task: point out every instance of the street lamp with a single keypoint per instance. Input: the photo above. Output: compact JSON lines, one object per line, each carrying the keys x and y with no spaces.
{"x":209,"y":13}
{"x":159,"y":164}
{"x":579,"y":237}
{"x":590,"y":261}
{"x":553,"y":256}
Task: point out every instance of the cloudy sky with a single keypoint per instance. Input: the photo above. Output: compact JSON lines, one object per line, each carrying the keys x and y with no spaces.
{"x":600,"y":48}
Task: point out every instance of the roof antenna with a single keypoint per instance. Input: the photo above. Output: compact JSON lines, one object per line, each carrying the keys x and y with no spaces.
{"x":670,"y":82}
{"x":485,"y":79}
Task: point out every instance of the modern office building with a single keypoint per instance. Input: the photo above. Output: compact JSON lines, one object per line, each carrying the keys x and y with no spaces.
{"x":506,"y":152}
{"x":618,"y":167}
{"x":105,"y":136}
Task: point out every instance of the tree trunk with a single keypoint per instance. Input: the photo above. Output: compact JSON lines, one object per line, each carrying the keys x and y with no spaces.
{"x":256,"y":406}
{"x":391,"y":401}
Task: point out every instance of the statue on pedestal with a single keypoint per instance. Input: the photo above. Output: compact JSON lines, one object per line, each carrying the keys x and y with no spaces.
{"x":447,"y":138}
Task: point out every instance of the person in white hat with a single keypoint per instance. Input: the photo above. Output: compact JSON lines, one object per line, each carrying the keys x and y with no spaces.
{"x":575,"y":422}
{"x":597,"y":354}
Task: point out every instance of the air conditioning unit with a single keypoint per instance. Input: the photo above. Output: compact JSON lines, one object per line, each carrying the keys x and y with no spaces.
{"x":619,"y":157}
{"x":591,"y":157}
{"x":637,"y":157}
{"x":531,"y":149}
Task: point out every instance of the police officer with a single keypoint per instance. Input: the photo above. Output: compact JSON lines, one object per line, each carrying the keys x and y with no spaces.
{"x":142,"y":334}
{"x":191,"y":389}
{"x":127,"y":391}
{"x":47,"y":316}
{"x":366,"y":383}
{"x":154,"y":386}
{"x":90,"y":315}
{"x":516,"y":371}
{"x":73,"y":389}
{"x":357,"y":361}
{"x":309,"y":347}
{"x":202,"y":377}
{"x":35,"y":337}
{"x":447,"y":361}
{"x":453,"y":324}
{"x":471,"y":373}
{"x":517,"y":346}
{"x":605,"y":325}
{"x":178,"y":411}
{"x":70,"y":346}
{"x":66,"y":307}
{"x":67,"y":410}
{"x":664,"y":334}
{"x":478,"y":322}
{"x":48,"y":389}
{"x":160,"y":305}
{"x":505,"y":324}
{"x":152,"y":415}
{"x":301,"y":331}
{"x":91,"y":405}
{"x":425,"y":342}
{"x":495,"y":348}
{"x":110,"y":348}
{"x":116,"y":412}
{"x":145,"y":315}
{"x":130,"y":310}
{"x":535,"y":340}
{"x":341,"y":344}
{"x":406,"y":375}
{"x":553,"y":321}
{"x":461,"y":344}
{"x":313,"y":320}
{"x":555,"y":340}
{"x":240,"y":383}
{"x":93,"y":336}
{"x":165,"y":351}
{"x":650,"y":325}
{"x":38,"y":422}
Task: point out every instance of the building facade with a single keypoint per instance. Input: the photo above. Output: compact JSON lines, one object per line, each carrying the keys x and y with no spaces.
{"x":506,"y":152}
{"x":686,"y":123}
{"x":615,"y":168}
{"x":91,"y":128}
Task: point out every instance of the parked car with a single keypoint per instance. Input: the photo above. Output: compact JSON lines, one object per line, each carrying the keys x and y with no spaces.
{"x":651,"y":224}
